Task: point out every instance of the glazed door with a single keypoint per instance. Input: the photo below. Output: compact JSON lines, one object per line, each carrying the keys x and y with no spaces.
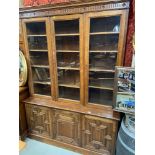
{"x":36,"y":33}
{"x":105,"y":35}
{"x":67,"y":47}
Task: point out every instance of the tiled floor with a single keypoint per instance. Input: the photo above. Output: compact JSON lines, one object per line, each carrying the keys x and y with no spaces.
{"x":34,"y":147}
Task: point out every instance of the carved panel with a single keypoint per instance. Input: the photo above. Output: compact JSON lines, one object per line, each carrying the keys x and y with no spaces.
{"x":39,"y":120}
{"x":67,"y":127}
{"x":98,"y":134}
{"x":74,"y":9}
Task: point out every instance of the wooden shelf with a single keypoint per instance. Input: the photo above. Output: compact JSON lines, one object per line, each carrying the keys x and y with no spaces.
{"x":67,"y":34}
{"x":103,"y":51}
{"x":40,"y":82}
{"x":38,"y":50}
{"x":69,"y":68}
{"x":40,"y":66}
{"x":69,"y":85}
{"x":100,"y":33}
{"x":36,"y":35}
{"x":68,"y":51}
{"x":98,"y":87}
{"x":101,"y":70}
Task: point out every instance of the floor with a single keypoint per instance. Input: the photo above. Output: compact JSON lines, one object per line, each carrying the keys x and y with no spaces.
{"x":34,"y":147}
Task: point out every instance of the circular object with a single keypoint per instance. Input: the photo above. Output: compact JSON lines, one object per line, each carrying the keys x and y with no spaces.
{"x":22,"y":69}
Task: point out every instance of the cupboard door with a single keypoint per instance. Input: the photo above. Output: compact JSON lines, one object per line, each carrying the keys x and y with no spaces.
{"x":39,"y":120}
{"x":98,"y":134}
{"x":105,"y":32}
{"x":67,"y":127}
{"x":67,"y":47}
{"x":38,"y":53}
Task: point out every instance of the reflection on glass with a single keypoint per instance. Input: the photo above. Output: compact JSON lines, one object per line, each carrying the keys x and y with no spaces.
{"x":106,"y":24}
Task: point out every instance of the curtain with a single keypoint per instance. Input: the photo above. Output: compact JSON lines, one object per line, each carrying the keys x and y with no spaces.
{"x":130,"y":32}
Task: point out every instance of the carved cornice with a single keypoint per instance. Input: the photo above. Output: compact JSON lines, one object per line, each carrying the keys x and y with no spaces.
{"x":73,"y":9}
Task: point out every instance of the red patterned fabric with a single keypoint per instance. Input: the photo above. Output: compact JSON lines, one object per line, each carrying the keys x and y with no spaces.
{"x":130,"y":32}
{"x":42,"y":2}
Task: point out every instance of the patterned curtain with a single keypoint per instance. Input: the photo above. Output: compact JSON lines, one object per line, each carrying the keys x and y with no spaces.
{"x":130,"y":32}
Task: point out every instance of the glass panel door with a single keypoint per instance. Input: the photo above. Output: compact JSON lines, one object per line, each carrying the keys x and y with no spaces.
{"x":38,"y":54}
{"x":67,"y":40}
{"x":103,"y":50}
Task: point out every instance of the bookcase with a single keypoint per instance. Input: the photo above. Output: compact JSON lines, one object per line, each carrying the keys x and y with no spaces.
{"x":72,"y":50}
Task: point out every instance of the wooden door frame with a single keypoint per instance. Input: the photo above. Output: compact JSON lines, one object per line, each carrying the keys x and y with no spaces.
{"x":30,"y":81}
{"x":121,"y":46}
{"x":81,"y":38}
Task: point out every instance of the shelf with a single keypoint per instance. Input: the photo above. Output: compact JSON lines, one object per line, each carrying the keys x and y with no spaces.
{"x":101,"y":70}
{"x":36,"y":35}
{"x":98,"y":87}
{"x":69,"y":85}
{"x":38,"y":50}
{"x":100,"y":33}
{"x":67,"y":51}
{"x":69,"y":68}
{"x":40,"y":82}
{"x":40,"y":66}
{"x":67,"y":34}
{"x":103,"y":51}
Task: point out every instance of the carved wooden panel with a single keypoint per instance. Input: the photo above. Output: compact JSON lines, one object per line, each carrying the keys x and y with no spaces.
{"x":73,"y":9}
{"x":67,"y":127}
{"x":39,"y":120}
{"x":98,"y":134}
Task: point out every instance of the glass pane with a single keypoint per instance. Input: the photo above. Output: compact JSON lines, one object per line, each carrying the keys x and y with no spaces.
{"x":42,"y":89}
{"x":39,"y":58}
{"x":101,"y":80}
{"x":99,"y":96}
{"x":70,"y":60}
{"x":68,"y":63}
{"x":69,"y":78}
{"x":36,"y":28}
{"x":38,"y":51}
{"x":107,"y":42}
{"x":106,"y":24}
{"x":102,"y":61}
{"x":67,"y":27}
{"x":37,"y":42}
{"x":67,"y":43}
{"x":69,"y":93}
{"x":103,"y":49}
{"x":40,"y":74}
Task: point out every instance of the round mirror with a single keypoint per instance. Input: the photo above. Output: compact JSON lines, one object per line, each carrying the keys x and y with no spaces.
{"x":22,"y":69}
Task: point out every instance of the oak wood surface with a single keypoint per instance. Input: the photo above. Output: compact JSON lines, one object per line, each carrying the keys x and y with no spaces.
{"x":105,"y":113}
{"x":85,"y":131}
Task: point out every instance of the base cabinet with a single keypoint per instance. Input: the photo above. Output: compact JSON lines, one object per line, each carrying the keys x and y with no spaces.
{"x":39,"y":120}
{"x":86,"y":131}
{"x":67,"y":127}
{"x":98,"y":134}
